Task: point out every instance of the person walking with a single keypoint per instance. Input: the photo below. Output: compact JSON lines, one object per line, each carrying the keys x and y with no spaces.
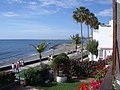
{"x":17,"y":67}
{"x":51,"y":57}
{"x":13,"y":67}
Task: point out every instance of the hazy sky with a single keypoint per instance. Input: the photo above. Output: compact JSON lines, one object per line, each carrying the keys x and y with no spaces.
{"x":48,"y":19}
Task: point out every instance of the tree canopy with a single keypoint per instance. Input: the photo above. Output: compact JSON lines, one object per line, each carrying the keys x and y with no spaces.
{"x":76,"y":39}
{"x":92,"y":47}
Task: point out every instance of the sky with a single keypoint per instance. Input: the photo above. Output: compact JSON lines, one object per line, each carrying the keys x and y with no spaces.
{"x":47,"y":19}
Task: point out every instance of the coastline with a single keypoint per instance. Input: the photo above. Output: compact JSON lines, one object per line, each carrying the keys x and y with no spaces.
{"x":61,"y":48}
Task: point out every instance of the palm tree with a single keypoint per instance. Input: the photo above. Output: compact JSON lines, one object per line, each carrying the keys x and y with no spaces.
{"x":40,"y":48}
{"x":94,"y":23}
{"x":79,"y":16}
{"x":87,"y":20}
{"x":76,"y":39}
{"x":92,"y":16}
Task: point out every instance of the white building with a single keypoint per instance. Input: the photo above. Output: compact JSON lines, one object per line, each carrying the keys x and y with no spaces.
{"x":105,"y":40}
{"x":104,"y":36}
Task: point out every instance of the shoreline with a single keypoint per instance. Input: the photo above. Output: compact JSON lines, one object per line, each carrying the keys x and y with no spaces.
{"x":61,"y":48}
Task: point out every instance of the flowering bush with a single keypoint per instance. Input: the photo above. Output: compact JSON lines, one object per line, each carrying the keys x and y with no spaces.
{"x":90,"y":66}
{"x":83,"y":86}
{"x":85,"y":68}
{"x":99,"y":74}
{"x":94,"y":85}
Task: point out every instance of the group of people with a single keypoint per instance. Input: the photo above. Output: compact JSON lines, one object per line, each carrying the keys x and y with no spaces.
{"x":17,"y":66}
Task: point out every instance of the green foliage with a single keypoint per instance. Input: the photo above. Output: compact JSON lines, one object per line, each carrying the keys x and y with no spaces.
{"x":100,"y":73}
{"x":6,"y":78}
{"x":40,"y":48}
{"x":59,"y":60}
{"x":35,"y":75}
{"x":92,"y":47}
{"x":79,"y":14}
{"x":76,"y":39}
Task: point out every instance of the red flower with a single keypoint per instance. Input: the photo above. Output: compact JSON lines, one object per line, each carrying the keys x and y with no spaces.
{"x":106,"y":70}
{"x":101,"y":71}
{"x":108,"y":66}
{"x":86,"y":88}
{"x":95,"y":73}
{"x":104,"y":75}
{"x":96,"y":67}
{"x":81,"y":85}
{"x":101,"y":67}
{"x":92,"y":83}
{"x":97,"y":86}
{"x":99,"y":81}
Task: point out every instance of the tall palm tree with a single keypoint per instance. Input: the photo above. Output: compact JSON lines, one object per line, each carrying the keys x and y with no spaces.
{"x":79,"y":16}
{"x":40,"y":48}
{"x":87,"y":20}
{"x":76,"y":39}
{"x":94,"y":23}
{"x":92,"y":16}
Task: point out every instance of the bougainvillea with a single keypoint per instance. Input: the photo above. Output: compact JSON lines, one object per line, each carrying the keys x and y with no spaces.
{"x":99,"y":75}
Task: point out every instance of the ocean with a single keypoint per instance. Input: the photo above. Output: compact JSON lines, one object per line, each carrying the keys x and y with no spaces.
{"x":20,"y":49}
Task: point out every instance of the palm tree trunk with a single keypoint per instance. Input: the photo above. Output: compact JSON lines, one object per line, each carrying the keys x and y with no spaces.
{"x":81,"y":43}
{"x":40,"y":56}
{"x":88,"y":31}
{"x":76,"y":46}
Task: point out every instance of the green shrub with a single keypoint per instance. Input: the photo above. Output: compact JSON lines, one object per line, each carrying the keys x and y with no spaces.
{"x":92,"y":47}
{"x":61,"y":62}
{"x":35,"y":75}
{"x":6,"y":78}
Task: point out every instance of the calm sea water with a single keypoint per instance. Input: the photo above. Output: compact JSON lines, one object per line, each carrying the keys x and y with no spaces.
{"x":18,"y":49}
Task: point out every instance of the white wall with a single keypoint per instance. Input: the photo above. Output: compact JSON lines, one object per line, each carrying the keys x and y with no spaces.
{"x":106,"y":39}
{"x":118,"y":1}
{"x":104,"y":36}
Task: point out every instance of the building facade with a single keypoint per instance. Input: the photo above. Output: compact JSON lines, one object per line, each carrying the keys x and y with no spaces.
{"x":105,"y":39}
{"x":104,"y":36}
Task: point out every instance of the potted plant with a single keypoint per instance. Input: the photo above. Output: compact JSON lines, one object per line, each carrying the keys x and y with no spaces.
{"x":60,"y":64}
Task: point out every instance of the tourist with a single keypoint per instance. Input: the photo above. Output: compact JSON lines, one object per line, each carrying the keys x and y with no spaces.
{"x":51,"y":57}
{"x":77,"y":51}
{"x":17,"y":66}
{"x":48,"y":57}
{"x":13,"y":67}
{"x":21,"y":63}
